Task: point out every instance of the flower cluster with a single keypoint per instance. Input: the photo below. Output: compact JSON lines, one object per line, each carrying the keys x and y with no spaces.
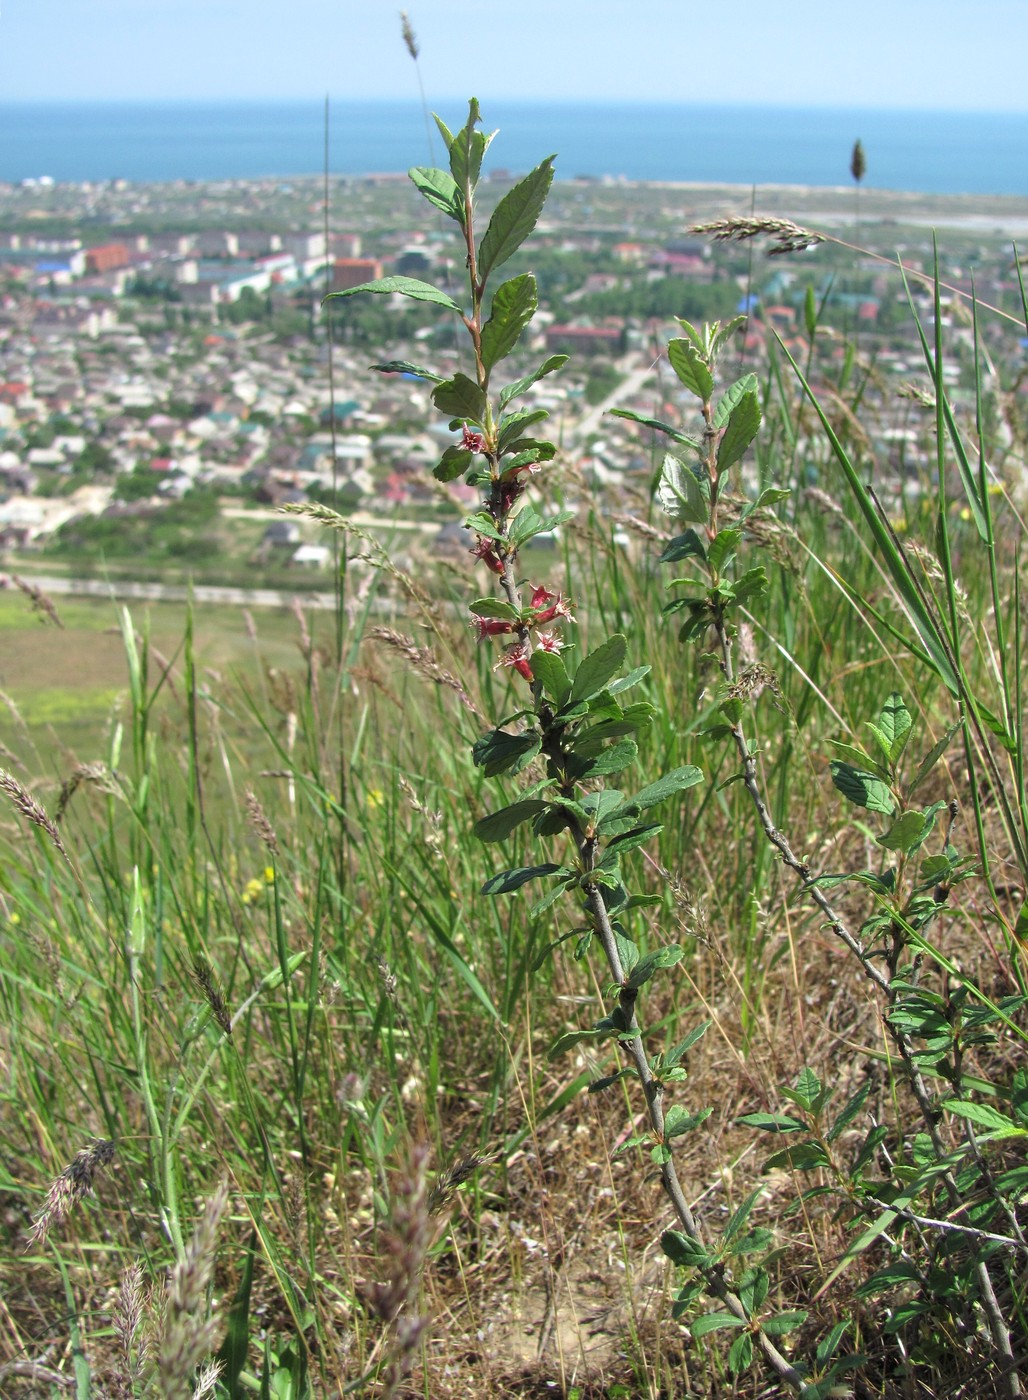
{"x":545,"y":607}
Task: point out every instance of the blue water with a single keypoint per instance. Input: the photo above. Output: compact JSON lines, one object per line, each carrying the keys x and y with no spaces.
{"x":929,"y":152}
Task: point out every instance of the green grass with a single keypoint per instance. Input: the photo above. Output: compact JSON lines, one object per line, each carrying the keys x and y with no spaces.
{"x":381,"y":1001}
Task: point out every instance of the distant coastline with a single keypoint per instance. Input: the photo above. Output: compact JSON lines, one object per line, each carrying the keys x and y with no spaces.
{"x":919,"y":152}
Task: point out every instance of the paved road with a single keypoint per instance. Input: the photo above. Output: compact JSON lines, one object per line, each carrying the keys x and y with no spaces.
{"x":631,"y":384}
{"x":173,"y":592}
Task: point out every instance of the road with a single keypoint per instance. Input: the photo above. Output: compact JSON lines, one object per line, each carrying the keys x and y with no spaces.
{"x":127,"y":589}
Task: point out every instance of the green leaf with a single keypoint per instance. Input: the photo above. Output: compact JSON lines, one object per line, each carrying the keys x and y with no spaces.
{"x":599,"y":667}
{"x":731,"y":397}
{"x":678,"y":780}
{"x":603,"y":1030}
{"x":682,"y":1250}
{"x":677,"y":1122}
{"x":512,"y":424}
{"x":687,"y":363}
{"x":453,"y":463}
{"x":657,"y":425}
{"x":893,"y":728}
{"x":499,"y":825}
{"x":906,"y":833}
{"x":519,"y":386}
{"x":440,"y":189}
{"x":654,"y":962}
{"x":467,"y":148}
{"x":807,"y":1089}
{"x":932,"y":757}
{"x":862,"y":789}
{"x":683,"y":1046}
{"x":712,"y":1322}
{"x":772,"y":1122}
{"x":513,"y":306}
{"x":406,"y":287}
{"x":740,"y":1353}
{"x":686,"y":546}
{"x":683,"y":491}
{"x":629,"y":840}
{"x":739,"y":1216}
{"x":500,"y":752}
{"x":985,"y":1117}
{"x":552,"y":675}
{"x":514,"y":218}
{"x":494,"y":607}
{"x":613,"y":759}
{"x":460,"y":397}
{"x":784,"y":1322}
{"x":810,"y":314}
{"x":742,"y":429}
{"x":626,"y":682}
{"x":405,"y":367}
{"x":721,"y":549}
{"x":509,"y":880}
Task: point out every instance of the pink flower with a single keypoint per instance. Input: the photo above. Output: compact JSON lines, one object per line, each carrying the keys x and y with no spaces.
{"x":517,"y":658}
{"x":485,"y":551}
{"x":471,"y":442}
{"x":549,"y":605}
{"x":491,"y":626}
{"x":549,"y":641}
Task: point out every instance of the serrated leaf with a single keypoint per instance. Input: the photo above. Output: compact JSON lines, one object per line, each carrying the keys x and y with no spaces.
{"x":499,"y":825}
{"x":862,"y":789}
{"x":893,"y":728}
{"x":499,"y":752}
{"x":509,"y":880}
{"x":684,"y":546}
{"x":807,"y":1089}
{"x":677,"y":1122}
{"x":613,"y":759}
{"x":785,"y":1322}
{"x":712,"y":1322}
{"x":494,"y":607}
{"x":512,"y":424}
{"x":551,"y":673}
{"x":514,"y":218}
{"x":682,"y":1250}
{"x":678,"y":780}
{"x":511,"y":391}
{"x":406,"y":286}
{"x":686,"y":1044}
{"x":629,"y":840}
{"x":985,"y":1117}
{"x":721,"y":548}
{"x":683,"y":491}
{"x":513,"y":306}
{"x":731,"y":397}
{"x":406,"y":367}
{"x":654,"y":962}
{"x":740,"y":1353}
{"x":687,"y":363}
{"x":772,"y":1122}
{"x":932,"y":757}
{"x":440,"y":189}
{"x":657,"y":425}
{"x":743,"y":423}
{"x":905,"y":834}
{"x":739,"y":1216}
{"x":460,"y":397}
{"x":453,"y":463}
{"x":626,"y":682}
{"x":599,"y":667}
{"x":467,"y":148}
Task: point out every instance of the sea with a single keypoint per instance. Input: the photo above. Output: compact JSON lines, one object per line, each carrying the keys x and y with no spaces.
{"x":929,"y":152}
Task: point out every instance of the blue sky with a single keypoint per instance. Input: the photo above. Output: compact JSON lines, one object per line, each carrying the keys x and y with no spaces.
{"x":955,"y":54}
